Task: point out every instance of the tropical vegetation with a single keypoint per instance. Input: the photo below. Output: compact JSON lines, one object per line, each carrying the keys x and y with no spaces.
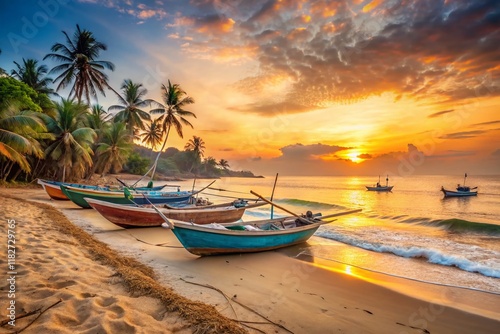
{"x":47,"y":135}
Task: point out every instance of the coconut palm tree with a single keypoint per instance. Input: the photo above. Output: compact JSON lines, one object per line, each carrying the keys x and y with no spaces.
{"x":80,"y":65}
{"x":224,"y":164}
{"x":130,"y":111}
{"x":172,"y":113}
{"x":114,"y":149}
{"x":33,"y":75}
{"x":71,"y":149}
{"x":98,"y":119}
{"x":197,"y":146}
{"x":153,"y":134}
{"x":18,"y":138}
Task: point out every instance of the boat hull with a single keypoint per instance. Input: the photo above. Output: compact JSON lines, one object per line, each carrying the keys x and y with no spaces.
{"x":451,"y":193}
{"x":132,"y":216}
{"x":388,"y":188}
{"x":204,"y":241}
{"x":54,"y":191}
{"x":78,"y":196}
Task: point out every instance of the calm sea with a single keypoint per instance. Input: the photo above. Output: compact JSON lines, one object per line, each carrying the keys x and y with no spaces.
{"x":411,"y":232}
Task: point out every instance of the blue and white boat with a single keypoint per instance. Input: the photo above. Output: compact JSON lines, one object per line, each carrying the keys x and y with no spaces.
{"x":246,"y":237}
{"x":461,"y":190}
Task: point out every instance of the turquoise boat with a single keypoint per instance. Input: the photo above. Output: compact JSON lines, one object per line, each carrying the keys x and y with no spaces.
{"x":77,"y":196}
{"x":246,"y":237}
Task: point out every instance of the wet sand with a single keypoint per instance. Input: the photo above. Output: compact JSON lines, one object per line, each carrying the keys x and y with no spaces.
{"x":269,"y":292}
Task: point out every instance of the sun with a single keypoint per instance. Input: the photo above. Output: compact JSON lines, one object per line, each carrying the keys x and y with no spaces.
{"x":354,"y":157}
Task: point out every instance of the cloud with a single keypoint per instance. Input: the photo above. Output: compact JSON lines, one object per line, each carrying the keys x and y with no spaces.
{"x":439,"y":113}
{"x":365,"y":156}
{"x":487,"y":123}
{"x":313,"y":151}
{"x":496,"y":153}
{"x":388,"y":47}
{"x":452,"y":154}
{"x":463,"y":134}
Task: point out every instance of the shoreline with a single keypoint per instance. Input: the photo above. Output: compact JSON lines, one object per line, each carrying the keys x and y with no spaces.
{"x":303,"y":295}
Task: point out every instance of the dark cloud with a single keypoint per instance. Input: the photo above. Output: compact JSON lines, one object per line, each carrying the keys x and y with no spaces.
{"x":496,"y":153}
{"x":333,"y":52}
{"x":300,"y":151}
{"x":365,"y":156}
{"x":463,"y":134}
{"x":487,"y":123}
{"x":439,"y":113}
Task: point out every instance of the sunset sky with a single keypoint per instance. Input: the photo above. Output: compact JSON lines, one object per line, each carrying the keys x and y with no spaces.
{"x":301,"y":88}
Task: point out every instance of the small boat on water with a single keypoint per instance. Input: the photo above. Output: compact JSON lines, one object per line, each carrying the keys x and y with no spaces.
{"x":77,"y":196}
{"x":379,"y":187}
{"x":53,"y":188}
{"x":246,"y":237}
{"x":145,"y":216}
{"x":461,"y":190}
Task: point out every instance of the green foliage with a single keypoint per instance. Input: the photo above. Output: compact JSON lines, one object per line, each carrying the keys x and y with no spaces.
{"x":136,"y":164}
{"x":114,"y":149}
{"x":167,"y":167}
{"x":12,"y":90}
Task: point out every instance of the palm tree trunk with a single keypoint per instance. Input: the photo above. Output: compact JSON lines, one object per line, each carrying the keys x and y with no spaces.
{"x":158,"y":156}
{"x":64,"y":173}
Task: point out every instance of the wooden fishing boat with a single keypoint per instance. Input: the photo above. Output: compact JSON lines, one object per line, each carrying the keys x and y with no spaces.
{"x":461,"y":191}
{"x":246,"y":237}
{"x":145,"y":216}
{"x":77,"y":196}
{"x":53,"y":188}
{"x":379,"y":187}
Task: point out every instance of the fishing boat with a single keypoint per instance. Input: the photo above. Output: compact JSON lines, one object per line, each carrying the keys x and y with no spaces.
{"x":53,"y":188}
{"x":77,"y":196}
{"x":145,"y":216}
{"x":461,"y":190}
{"x":379,"y":187}
{"x":246,"y":237}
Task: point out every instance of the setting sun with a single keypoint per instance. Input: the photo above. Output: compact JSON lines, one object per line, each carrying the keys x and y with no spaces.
{"x":354,"y":157}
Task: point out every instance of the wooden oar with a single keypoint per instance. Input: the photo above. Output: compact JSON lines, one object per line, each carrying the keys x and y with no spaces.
{"x":305,"y":220}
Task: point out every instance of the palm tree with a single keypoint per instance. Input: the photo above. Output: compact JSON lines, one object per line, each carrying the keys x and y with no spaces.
{"x":71,"y":149}
{"x":130,"y":110}
{"x":224,"y":164}
{"x":98,"y":119}
{"x":33,"y":75}
{"x":18,"y":132}
{"x":197,"y":146}
{"x":114,"y":149}
{"x":153,"y":134}
{"x":80,"y":66}
{"x":172,"y":113}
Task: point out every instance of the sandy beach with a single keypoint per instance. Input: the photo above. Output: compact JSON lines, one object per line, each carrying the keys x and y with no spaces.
{"x":77,"y":272}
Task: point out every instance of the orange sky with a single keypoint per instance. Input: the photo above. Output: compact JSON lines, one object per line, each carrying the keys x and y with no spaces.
{"x":319,"y":88}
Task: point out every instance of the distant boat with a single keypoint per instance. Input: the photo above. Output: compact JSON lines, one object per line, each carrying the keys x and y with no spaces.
{"x":379,"y":187}
{"x":257,"y":236}
{"x":461,"y":190}
{"x":145,"y":216}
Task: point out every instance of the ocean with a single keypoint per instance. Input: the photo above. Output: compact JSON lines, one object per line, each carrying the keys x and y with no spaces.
{"x":411,"y":232}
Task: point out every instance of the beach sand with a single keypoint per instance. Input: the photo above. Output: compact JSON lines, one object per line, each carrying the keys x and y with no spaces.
{"x":145,"y":282}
